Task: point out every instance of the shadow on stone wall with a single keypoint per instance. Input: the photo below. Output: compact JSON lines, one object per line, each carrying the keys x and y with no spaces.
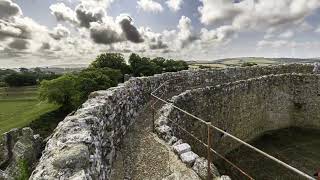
{"x":248,"y":108}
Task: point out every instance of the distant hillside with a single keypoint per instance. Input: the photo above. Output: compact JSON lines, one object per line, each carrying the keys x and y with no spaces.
{"x":274,"y":60}
{"x":58,"y":70}
{"x":69,"y":66}
{"x":233,"y":62}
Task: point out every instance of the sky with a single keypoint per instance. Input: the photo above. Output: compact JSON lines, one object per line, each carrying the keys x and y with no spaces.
{"x":54,"y":32}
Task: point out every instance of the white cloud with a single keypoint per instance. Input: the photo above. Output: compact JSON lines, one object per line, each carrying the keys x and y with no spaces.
{"x":63,"y":13}
{"x":268,"y":36}
{"x":97,"y":3}
{"x":221,"y":34}
{"x":129,"y":30}
{"x":103,"y":29}
{"x":270,"y":16}
{"x":23,"y":36}
{"x":170,"y":41}
{"x":252,"y":15}
{"x":217,"y":10}
{"x":155,"y":41}
{"x":60,"y":32}
{"x":25,"y":41}
{"x":287,"y":34}
{"x":22,"y":28}
{"x":35,"y":33}
{"x":9,"y":9}
{"x":304,"y":27}
{"x":273,"y":44}
{"x":8,"y":29}
{"x":105,"y":33}
{"x":87,"y":15}
{"x":185,"y":34}
{"x":174,"y":5}
{"x":150,"y":6}
{"x":19,"y":44}
{"x":290,"y":48}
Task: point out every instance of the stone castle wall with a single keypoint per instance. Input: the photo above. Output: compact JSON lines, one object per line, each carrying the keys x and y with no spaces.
{"x":248,"y":108}
{"x":84,"y":144}
{"x":16,"y":147}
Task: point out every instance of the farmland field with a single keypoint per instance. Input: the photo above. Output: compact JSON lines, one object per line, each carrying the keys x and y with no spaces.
{"x":20,"y":106}
{"x":234,"y":62}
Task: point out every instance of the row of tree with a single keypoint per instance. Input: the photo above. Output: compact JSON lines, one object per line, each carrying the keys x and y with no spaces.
{"x":138,"y":66}
{"x":72,"y":89}
{"x":143,"y":66}
{"x":3,"y":74}
{"x":24,"y":77}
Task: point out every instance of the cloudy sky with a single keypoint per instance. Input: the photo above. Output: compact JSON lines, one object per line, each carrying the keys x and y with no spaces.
{"x":52,"y":32}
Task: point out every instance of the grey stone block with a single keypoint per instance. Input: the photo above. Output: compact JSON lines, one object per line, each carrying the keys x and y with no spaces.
{"x":182,"y":148}
{"x":189,"y":158}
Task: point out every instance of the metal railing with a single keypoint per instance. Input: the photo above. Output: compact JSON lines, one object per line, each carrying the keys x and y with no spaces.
{"x":209,"y":139}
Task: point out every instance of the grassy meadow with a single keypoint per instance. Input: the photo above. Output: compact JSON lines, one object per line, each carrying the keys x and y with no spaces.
{"x":20,"y":106}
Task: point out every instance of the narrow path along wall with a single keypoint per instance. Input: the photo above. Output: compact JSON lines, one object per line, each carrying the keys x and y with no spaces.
{"x":84,"y":144}
{"x":248,"y":108}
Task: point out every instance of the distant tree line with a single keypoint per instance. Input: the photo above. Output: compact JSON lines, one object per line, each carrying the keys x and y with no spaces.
{"x":107,"y":70}
{"x":24,"y":77}
{"x":246,"y":64}
{"x":143,"y":66}
{"x":3,"y":74}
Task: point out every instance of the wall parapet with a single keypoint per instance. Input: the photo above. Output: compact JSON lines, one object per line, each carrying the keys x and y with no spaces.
{"x":247,"y":108}
{"x":84,"y":144}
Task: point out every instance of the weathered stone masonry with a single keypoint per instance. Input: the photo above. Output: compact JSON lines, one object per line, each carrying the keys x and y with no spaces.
{"x":248,"y":108}
{"x":84,"y":144}
{"x":19,"y":151}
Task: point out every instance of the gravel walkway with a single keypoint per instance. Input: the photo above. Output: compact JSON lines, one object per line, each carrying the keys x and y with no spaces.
{"x":143,"y":156}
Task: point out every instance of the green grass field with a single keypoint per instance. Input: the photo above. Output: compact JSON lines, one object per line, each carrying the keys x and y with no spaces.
{"x":20,"y":106}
